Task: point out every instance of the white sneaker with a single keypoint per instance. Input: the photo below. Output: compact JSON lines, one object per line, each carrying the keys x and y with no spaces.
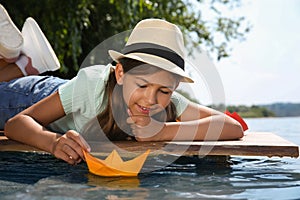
{"x":37,"y":47}
{"x":11,"y":39}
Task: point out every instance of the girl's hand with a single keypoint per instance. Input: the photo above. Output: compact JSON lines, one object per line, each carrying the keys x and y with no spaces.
{"x":68,"y":147}
{"x":145,"y":128}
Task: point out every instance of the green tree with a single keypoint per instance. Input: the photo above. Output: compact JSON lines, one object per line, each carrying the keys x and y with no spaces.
{"x":252,"y":111}
{"x":75,"y":27}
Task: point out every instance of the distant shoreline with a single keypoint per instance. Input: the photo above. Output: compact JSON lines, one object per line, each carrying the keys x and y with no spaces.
{"x":271,"y":117}
{"x":263,"y":111}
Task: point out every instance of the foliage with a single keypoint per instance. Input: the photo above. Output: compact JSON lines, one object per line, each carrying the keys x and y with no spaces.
{"x":251,"y":111}
{"x":246,"y":111}
{"x":62,"y":22}
{"x":267,"y":110}
{"x":75,"y":27}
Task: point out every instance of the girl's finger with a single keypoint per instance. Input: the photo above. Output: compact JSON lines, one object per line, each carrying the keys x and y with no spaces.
{"x":71,"y":148}
{"x":129,"y":112}
{"x":71,"y":152}
{"x":130,"y":120}
{"x":77,"y":143}
{"x":69,"y":159}
{"x":61,"y":153}
{"x":138,"y":120}
{"x":79,"y":140}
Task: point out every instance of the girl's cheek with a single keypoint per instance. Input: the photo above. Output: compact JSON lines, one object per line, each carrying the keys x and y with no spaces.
{"x":164,"y":100}
{"x":128,"y":93}
{"x":130,"y":97}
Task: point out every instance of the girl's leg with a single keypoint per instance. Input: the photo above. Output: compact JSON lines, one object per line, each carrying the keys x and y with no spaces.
{"x":11,"y":43}
{"x":37,"y":48}
{"x":9,"y":71}
{"x":11,"y":40}
{"x":22,"y":67}
{"x":29,"y":50}
{"x":19,"y":94}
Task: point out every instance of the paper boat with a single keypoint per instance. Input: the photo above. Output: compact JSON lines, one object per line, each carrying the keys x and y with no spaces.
{"x":113,"y":165}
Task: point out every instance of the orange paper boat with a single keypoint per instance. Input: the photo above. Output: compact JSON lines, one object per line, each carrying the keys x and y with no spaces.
{"x":113,"y":165}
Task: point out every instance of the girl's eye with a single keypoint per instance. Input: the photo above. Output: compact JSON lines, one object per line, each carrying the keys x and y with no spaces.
{"x":141,"y":85}
{"x":165,"y":92}
{"x":145,"y":85}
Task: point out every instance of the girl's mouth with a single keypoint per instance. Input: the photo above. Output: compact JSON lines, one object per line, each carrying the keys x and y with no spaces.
{"x":144,"y":110}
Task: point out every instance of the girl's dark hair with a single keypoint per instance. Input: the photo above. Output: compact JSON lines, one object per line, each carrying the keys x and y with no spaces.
{"x":113,"y":118}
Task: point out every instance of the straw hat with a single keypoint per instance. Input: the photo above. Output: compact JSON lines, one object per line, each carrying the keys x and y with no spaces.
{"x":156,"y":42}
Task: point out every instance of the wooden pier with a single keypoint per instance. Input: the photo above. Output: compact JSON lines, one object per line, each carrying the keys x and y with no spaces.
{"x":252,"y":144}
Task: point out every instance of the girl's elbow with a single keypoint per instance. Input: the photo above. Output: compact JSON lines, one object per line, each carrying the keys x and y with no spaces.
{"x":6,"y":128}
{"x":232,"y":131}
{"x":8,"y":132}
{"x":237,"y":131}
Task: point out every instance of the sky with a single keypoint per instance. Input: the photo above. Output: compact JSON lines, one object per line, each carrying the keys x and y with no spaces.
{"x":265,"y":68}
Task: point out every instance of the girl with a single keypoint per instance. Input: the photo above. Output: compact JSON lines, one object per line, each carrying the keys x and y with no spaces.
{"x":135,"y":99}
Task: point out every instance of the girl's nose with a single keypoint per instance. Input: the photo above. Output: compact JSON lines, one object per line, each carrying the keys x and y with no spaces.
{"x":151,"y":97}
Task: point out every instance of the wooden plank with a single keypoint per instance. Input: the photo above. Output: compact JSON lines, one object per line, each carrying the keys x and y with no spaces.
{"x":10,"y":145}
{"x":252,"y":144}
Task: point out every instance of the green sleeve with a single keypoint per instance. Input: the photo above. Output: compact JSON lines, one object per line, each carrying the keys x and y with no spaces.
{"x":84,"y":93}
{"x":180,"y":102}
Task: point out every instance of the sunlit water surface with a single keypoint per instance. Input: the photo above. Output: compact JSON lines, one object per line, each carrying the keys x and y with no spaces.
{"x":41,"y":176}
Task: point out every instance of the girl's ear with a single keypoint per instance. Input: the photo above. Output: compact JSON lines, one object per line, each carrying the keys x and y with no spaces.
{"x":119,"y":73}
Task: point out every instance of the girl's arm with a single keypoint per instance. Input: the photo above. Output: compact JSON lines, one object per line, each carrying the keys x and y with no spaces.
{"x":29,"y":127}
{"x":196,"y":123}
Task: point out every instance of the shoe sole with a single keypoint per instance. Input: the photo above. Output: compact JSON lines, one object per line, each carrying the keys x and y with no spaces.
{"x":11,"y":39}
{"x":35,"y":40}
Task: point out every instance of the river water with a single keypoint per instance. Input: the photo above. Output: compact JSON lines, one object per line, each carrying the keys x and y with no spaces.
{"x":40,"y":176}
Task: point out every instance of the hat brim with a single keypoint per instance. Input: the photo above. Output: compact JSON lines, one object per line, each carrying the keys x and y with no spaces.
{"x":153,"y":60}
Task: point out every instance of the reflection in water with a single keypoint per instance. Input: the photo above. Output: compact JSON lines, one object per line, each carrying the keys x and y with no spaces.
{"x":262,"y":172}
{"x":113,"y":182}
{"x":117,"y":187}
{"x":40,"y":176}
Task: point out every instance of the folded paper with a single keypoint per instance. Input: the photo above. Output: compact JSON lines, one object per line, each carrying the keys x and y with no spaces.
{"x":113,"y":165}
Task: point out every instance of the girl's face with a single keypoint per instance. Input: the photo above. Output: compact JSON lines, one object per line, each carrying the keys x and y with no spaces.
{"x":148,"y":94}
